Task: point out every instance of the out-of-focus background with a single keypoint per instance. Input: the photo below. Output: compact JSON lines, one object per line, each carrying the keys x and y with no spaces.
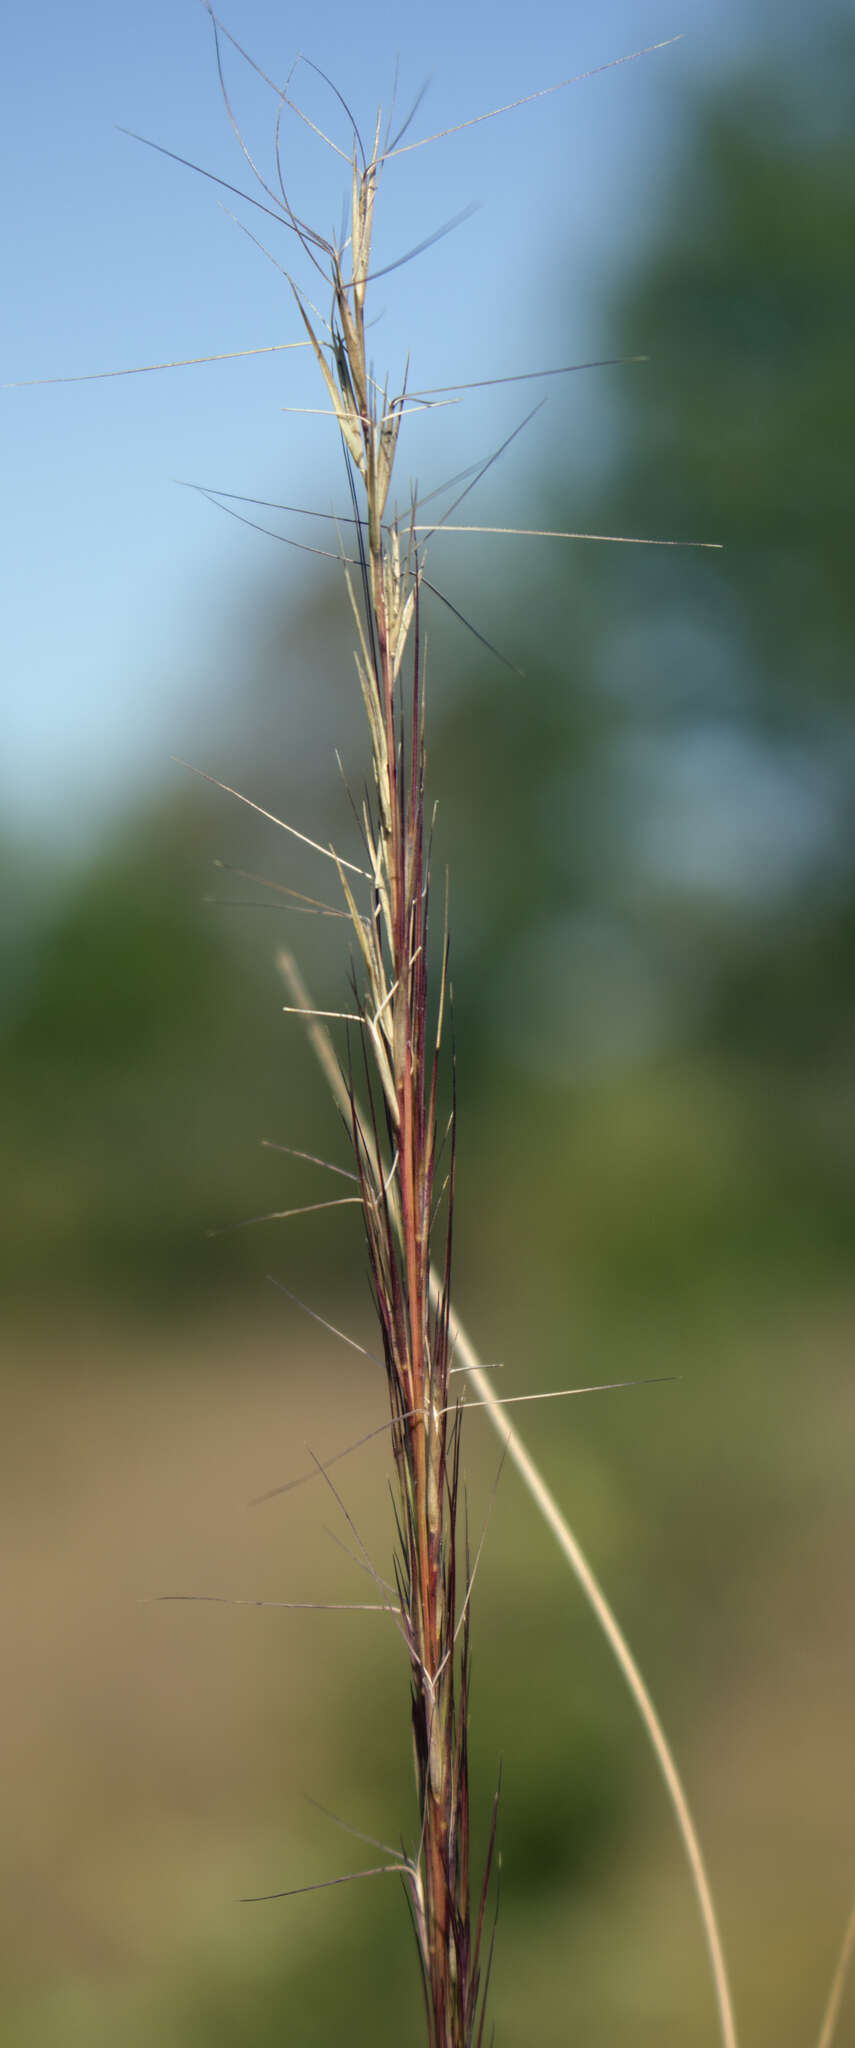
{"x":653,"y":883}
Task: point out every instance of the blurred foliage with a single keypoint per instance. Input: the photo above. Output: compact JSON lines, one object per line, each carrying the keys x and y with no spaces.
{"x":680,"y":763}
{"x":650,"y":838}
{"x":144,"y":1059}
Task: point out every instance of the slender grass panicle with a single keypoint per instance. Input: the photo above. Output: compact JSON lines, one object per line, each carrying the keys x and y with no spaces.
{"x":395,"y":1089}
{"x":388,"y":1089}
{"x":392,"y":1076}
{"x":395,"y":1138}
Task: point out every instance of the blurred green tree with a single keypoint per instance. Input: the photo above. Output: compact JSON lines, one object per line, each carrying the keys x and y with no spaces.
{"x":678,"y":770}
{"x":650,"y":837}
{"x":144,"y":1056}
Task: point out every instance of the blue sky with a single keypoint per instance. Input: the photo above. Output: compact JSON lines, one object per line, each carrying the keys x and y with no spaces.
{"x":120,"y":583}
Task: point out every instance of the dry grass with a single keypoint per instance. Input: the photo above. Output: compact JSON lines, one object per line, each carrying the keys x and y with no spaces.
{"x":397,"y":1101}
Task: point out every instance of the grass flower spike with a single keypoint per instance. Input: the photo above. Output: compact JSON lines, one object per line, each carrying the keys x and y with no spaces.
{"x":394,"y":1066}
{"x":399,"y":1106}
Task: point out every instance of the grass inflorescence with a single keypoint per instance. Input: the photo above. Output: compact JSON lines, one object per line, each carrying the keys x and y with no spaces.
{"x":388,"y":1087}
{"x":394,"y":1086}
{"x":392,"y":1096}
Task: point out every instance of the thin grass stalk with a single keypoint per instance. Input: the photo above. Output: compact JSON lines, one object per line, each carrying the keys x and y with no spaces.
{"x":838,"y":1984}
{"x":568,"y":1543}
